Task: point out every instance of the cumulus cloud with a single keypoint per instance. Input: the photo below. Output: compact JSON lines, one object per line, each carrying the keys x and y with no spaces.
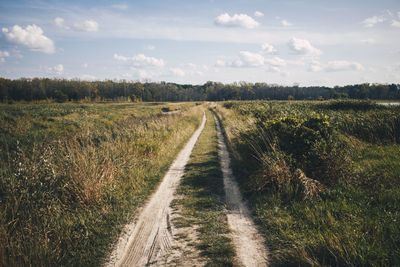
{"x":237,"y":20}
{"x":57,"y":69}
{"x":370,"y":22}
{"x":303,"y":47}
{"x":250,"y":59}
{"x":59,"y":22}
{"x":254,"y":60}
{"x":87,"y":26}
{"x":31,"y":37}
{"x":343,"y":65}
{"x":286,"y":23}
{"x":314,"y":66}
{"x":258,"y":14}
{"x":396,"y":23}
{"x":246,"y":59}
{"x":141,"y":60}
{"x":275,"y":62}
{"x":177,"y":72}
{"x":268,"y":48}
{"x":220,"y":63}
{"x":3,"y":55}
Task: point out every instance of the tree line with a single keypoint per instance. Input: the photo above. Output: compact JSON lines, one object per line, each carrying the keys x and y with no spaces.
{"x":62,"y":90}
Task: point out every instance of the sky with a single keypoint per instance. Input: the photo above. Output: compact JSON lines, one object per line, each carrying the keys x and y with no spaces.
{"x":286,"y":42}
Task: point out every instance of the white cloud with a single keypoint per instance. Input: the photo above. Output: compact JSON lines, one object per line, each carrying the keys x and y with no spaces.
{"x":237,"y":20}
{"x":396,"y":23}
{"x":59,"y":22}
{"x":3,"y":55}
{"x":268,"y":48}
{"x":343,"y":65}
{"x":249,"y":59}
{"x":31,"y":37}
{"x":274,"y":69}
{"x":57,"y":69}
{"x":88,"y":77}
{"x":314,"y":66}
{"x":370,"y":22}
{"x":85,"y":65}
{"x":141,"y":60}
{"x":87,"y":26}
{"x":303,"y":47}
{"x":220,"y":63}
{"x":398,"y":14}
{"x":253,"y":60}
{"x":286,"y":23}
{"x":189,"y":65}
{"x":258,"y":14}
{"x":177,"y":72}
{"x":275,"y":61}
{"x":149,"y":47}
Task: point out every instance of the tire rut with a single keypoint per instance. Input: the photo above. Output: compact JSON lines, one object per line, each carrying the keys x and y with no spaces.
{"x":150,"y":238}
{"x":248,"y":242}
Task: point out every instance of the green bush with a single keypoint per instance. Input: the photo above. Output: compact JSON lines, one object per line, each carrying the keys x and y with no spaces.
{"x":311,"y":144}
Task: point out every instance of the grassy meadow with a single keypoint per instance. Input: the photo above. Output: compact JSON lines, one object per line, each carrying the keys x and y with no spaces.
{"x":323,"y":178}
{"x":73,"y":174}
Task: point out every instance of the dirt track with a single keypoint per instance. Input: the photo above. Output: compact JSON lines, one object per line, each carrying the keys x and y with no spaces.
{"x":248,"y":242}
{"x":149,"y":238}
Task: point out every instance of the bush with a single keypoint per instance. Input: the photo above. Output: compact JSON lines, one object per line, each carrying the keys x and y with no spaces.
{"x":311,"y":144}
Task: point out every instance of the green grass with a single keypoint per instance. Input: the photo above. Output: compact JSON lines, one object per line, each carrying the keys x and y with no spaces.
{"x":201,"y":199}
{"x":72,"y":175}
{"x":354,"y":221}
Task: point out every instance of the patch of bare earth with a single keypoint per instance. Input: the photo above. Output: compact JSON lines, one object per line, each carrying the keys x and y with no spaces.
{"x":150,"y":240}
{"x":184,"y":251}
{"x":248,"y":242}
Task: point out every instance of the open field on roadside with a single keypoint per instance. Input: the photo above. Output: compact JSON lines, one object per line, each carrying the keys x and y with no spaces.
{"x":323,"y":178}
{"x":73,"y":174}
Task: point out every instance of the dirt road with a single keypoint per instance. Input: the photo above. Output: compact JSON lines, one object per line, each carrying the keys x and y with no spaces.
{"x":147,"y":239}
{"x":248,"y":242}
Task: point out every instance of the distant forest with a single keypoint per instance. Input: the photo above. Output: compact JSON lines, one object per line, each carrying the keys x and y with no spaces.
{"x":62,"y":90}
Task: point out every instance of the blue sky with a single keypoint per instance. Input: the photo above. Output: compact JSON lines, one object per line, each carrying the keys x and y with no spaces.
{"x":306,"y":42}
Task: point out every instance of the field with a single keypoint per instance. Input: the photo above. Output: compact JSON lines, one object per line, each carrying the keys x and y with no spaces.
{"x":73,"y":174}
{"x":323,"y":178}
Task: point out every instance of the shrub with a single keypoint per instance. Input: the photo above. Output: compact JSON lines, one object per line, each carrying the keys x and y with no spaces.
{"x":311,"y":144}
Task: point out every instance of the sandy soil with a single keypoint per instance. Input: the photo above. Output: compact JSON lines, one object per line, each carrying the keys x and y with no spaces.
{"x":248,"y":242}
{"x":149,"y":239}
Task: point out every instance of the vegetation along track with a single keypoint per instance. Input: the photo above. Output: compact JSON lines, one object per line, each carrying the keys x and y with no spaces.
{"x":246,"y":238}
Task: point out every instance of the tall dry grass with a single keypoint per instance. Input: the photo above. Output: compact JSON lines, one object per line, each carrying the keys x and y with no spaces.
{"x":64,"y":201}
